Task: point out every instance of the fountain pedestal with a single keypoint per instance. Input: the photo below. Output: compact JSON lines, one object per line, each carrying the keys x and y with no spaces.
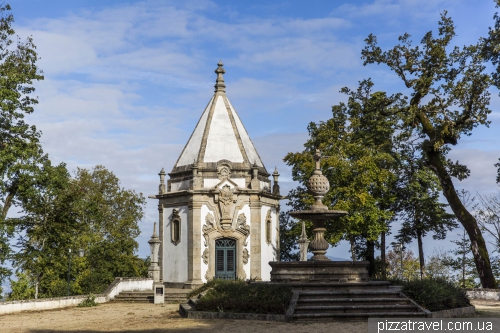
{"x":319,"y":268}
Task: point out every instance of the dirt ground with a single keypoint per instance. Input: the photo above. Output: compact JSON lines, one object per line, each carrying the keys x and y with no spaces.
{"x":149,"y":318}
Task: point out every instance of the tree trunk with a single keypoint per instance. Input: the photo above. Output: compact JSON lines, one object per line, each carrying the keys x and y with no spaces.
{"x":352,"y":242}
{"x":463,"y":260}
{"x":36,"y":289}
{"x":382,"y":254}
{"x":8,"y":202}
{"x":478,"y":245}
{"x":421,"y":254}
{"x":370,"y":256}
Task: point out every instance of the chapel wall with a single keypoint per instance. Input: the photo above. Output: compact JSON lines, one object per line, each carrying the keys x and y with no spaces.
{"x":175,"y":256}
{"x":268,"y":249}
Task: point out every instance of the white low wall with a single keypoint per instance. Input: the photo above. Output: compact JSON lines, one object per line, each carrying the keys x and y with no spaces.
{"x":127,"y":284}
{"x":486,"y":294}
{"x":117,"y":286}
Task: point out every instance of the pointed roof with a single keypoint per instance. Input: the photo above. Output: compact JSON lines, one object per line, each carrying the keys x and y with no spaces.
{"x":219,"y":134}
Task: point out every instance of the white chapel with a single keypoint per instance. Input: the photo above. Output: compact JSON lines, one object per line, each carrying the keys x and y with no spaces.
{"x":218,"y":211}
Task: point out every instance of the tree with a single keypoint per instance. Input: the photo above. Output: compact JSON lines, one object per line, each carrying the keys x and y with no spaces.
{"x":90,"y":212}
{"x":22,"y":288}
{"x":45,"y":231}
{"x":358,"y":145}
{"x":490,"y":50}
{"x":488,"y":217}
{"x":20,"y":152}
{"x":110,"y":215}
{"x":421,"y":212}
{"x":289,"y":234}
{"x":462,"y":263}
{"x":449,"y":99}
{"x":407,"y":271}
{"x":437,"y":266}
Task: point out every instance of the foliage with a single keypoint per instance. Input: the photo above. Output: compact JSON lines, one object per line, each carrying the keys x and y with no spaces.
{"x":289,"y":234}
{"x":449,"y":98}
{"x":461,"y":261}
{"x":22,"y":288}
{"x":435,"y":294}
{"x":488,"y":217}
{"x":110,"y":215}
{"x":409,"y":270}
{"x":46,"y":229}
{"x":90,"y":212}
{"x":88,"y":302}
{"x":374,"y":172}
{"x":204,"y":287}
{"x":20,"y":152}
{"x":239,"y":296}
{"x":357,"y":143}
{"x":437,"y":266}
{"x":420,"y":211}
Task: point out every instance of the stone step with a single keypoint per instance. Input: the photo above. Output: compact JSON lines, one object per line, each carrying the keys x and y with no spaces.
{"x":355,"y":309}
{"x":343,"y":286}
{"x":147,"y":297}
{"x":353,"y":301}
{"x":349,"y":294}
{"x":355,"y":316}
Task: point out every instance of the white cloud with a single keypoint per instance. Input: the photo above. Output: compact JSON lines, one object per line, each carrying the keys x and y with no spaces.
{"x":481,"y":164}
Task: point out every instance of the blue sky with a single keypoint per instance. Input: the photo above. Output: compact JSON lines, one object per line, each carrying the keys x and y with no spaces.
{"x":126,"y":81}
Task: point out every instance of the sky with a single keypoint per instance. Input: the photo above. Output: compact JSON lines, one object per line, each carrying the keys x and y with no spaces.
{"x":126,"y":81}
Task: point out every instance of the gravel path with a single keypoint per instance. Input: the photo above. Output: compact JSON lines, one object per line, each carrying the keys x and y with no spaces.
{"x":149,"y":318}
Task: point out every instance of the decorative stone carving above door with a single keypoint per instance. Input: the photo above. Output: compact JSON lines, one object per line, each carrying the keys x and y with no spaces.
{"x":226,"y":200}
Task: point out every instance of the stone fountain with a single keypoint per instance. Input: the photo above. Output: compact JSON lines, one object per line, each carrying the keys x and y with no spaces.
{"x":319,"y":268}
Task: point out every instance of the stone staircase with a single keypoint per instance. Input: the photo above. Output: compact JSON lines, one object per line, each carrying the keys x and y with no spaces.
{"x":172,"y":296}
{"x":351,"y":301}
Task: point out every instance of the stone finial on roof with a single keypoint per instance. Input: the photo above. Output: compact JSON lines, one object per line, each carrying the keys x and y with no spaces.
{"x":154,"y":231}
{"x":219,"y":82}
{"x":162,"y":188}
{"x":276,"y":187}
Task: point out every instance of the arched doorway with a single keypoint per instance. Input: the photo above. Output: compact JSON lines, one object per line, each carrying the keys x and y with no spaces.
{"x":225,"y":250}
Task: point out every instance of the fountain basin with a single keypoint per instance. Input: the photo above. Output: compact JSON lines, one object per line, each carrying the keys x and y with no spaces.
{"x":318,"y":214}
{"x":319,"y":271}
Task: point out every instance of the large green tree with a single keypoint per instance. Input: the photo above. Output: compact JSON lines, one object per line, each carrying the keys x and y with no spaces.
{"x":46,"y":230}
{"x":449,"y":98}
{"x":420,"y":211}
{"x":111,"y":216}
{"x":358,"y":143}
{"x":63,"y":215}
{"x":20,"y":152}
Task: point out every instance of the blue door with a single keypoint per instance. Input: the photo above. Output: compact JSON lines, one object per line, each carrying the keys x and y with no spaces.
{"x":225,"y":261}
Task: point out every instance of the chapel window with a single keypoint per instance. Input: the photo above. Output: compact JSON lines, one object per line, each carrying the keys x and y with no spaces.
{"x":175,"y":227}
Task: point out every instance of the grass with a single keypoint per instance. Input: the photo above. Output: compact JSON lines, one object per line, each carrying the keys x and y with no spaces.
{"x":88,"y":302}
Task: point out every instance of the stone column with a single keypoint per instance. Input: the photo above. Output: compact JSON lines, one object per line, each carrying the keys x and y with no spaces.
{"x":194,"y":243}
{"x":160,"y":232}
{"x":154,"y":269}
{"x":303,"y":243}
{"x":255,"y":237}
{"x":278,"y":249}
